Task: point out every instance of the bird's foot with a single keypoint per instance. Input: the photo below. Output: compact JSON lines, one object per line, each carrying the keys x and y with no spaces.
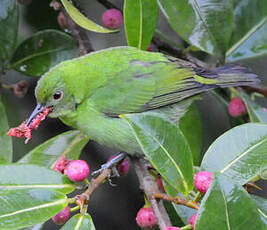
{"x":111,"y":164}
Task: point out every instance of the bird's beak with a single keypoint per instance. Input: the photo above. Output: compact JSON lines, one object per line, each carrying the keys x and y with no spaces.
{"x":39,"y":108}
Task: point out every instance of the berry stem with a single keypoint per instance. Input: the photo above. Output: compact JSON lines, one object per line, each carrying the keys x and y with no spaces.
{"x":74,"y":209}
{"x":186,"y":227}
{"x":177,"y":200}
{"x":198,"y":196}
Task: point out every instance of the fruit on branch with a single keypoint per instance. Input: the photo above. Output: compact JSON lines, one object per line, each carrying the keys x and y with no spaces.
{"x":77,"y":170}
{"x":237,"y":107}
{"x":21,"y":88}
{"x":61,"y":20}
{"x":112,"y":18}
{"x":123,"y":167}
{"x":146,"y":218}
{"x":192,"y":220}
{"x":160,"y":184}
{"x":62,"y":216}
{"x":61,"y":164}
{"x":203,"y":180}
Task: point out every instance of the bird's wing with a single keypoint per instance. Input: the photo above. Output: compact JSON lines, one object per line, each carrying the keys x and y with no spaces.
{"x":145,"y":86}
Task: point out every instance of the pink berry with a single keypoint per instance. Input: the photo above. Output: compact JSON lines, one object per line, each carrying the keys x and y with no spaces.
{"x":171,"y":228}
{"x":123,"y":167}
{"x":237,"y":107}
{"x":160,"y":184}
{"x":146,"y":218}
{"x":62,"y":216}
{"x":112,"y":18}
{"x":61,"y":20}
{"x":77,"y":170}
{"x":149,"y":48}
{"x":61,"y":164}
{"x":192,"y":220}
{"x":203,"y":180}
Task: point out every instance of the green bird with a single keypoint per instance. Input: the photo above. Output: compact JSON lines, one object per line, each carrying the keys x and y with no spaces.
{"x":90,"y":93}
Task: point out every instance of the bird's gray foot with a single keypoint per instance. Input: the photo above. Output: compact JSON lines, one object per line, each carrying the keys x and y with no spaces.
{"x":111,"y":164}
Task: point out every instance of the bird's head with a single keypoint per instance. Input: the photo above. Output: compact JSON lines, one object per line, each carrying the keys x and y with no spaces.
{"x":52,"y":92}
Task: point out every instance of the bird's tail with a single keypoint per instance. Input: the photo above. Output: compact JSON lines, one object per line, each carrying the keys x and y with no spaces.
{"x":230,"y":75}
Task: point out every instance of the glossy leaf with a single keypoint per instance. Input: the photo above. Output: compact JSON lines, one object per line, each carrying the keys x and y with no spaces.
{"x":240,"y":153}
{"x":166,"y":148}
{"x":26,"y":207}
{"x":191,"y":126}
{"x":79,"y":222}
{"x":140,"y":21}
{"x":8,"y":29}
{"x":37,"y":54}
{"x":249,"y":37}
{"x":206,"y":24}
{"x":262,"y":207}
{"x":83,"y":21}
{"x":69,"y":144}
{"x":256,"y":112}
{"x":22,"y":176}
{"x":228,"y":206}
{"x":5,"y":141}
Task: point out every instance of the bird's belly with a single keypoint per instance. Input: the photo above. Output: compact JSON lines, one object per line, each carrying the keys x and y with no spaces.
{"x":111,"y":132}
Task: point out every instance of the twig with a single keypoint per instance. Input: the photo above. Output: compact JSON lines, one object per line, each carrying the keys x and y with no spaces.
{"x":79,"y":34}
{"x":148,"y":185}
{"x":177,"y":200}
{"x":258,"y":89}
{"x":108,"y":4}
{"x":84,"y":198}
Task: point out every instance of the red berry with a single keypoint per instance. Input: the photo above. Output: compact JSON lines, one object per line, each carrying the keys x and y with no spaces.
{"x":203,"y":180}
{"x":21,"y":88}
{"x":61,"y":164}
{"x":146,"y":218}
{"x":123,"y":167}
{"x":62,"y":216}
{"x":192,"y":220}
{"x":171,"y":228}
{"x":160,"y":184}
{"x":237,"y":107}
{"x":61,"y":20}
{"x":77,"y":170}
{"x":149,"y":48}
{"x":112,"y":18}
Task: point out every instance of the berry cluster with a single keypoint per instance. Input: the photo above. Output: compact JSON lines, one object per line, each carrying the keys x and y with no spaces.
{"x":23,"y":130}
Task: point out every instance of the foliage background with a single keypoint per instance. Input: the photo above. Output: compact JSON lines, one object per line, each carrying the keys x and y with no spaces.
{"x":111,"y":207}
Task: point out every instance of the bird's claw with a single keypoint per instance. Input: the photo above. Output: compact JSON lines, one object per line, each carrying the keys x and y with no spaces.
{"x":111,"y":164}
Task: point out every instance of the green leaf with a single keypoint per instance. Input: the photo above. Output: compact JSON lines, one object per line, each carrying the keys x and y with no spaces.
{"x":26,"y":207}
{"x":22,"y":176}
{"x":240,"y":153}
{"x":140,"y":21}
{"x":262,"y":207}
{"x":79,"y":222}
{"x":69,"y":144}
{"x":165,"y":147}
{"x":5,"y":141}
{"x":256,"y":112}
{"x":37,"y":54}
{"x":249,"y":39}
{"x":8,"y":30}
{"x":191,"y":126}
{"x":227,"y":205}
{"x":83,"y":21}
{"x":206,"y":24}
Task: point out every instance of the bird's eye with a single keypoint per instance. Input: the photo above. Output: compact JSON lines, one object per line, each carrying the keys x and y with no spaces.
{"x":57,"y":95}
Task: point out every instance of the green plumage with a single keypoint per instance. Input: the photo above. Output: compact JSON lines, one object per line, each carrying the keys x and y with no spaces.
{"x":100,"y":86}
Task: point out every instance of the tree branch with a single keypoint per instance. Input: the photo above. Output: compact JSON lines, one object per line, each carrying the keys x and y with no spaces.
{"x":108,"y":4}
{"x":148,"y":185}
{"x":258,"y":89}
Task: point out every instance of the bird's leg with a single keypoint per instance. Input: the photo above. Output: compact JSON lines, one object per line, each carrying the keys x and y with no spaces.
{"x":111,"y":164}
